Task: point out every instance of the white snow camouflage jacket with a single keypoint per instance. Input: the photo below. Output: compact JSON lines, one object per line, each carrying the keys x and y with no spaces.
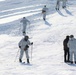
{"x":45,"y":9}
{"x":72,"y":44}
{"x":25,"y":21}
{"x":23,"y":43}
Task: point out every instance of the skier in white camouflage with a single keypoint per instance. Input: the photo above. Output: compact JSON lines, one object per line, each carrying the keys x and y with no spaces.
{"x":63,"y":4}
{"x":44,"y":11}
{"x":24,"y":45}
{"x":72,"y":48}
{"x":58,"y":5}
{"x":25,"y":22}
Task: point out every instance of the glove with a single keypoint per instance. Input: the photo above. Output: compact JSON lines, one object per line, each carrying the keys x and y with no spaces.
{"x":23,"y":31}
{"x":26,"y":47}
{"x":19,"y":46}
{"x":32,"y":43}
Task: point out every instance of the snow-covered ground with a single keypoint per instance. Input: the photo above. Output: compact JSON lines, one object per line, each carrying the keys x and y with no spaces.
{"x":48,"y":36}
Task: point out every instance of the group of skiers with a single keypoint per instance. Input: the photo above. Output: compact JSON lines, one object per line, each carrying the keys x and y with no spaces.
{"x":58,"y":3}
{"x":69,"y":45}
{"x":63,"y":4}
{"x":24,"y":43}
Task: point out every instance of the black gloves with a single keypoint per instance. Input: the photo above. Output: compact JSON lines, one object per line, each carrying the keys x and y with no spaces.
{"x":26,"y":47}
{"x":32,"y":43}
{"x":24,"y":32}
{"x":19,"y":46}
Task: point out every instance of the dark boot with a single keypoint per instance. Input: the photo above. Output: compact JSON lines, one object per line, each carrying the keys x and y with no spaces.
{"x":71,"y":62}
{"x":23,"y":31}
{"x":63,"y":7}
{"x":28,"y":61}
{"x":65,"y":61}
{"x":57,"y":8}
{"x":20,"y":60}
{"x":44,"y":19}
{"x":68,"y":61}
{"x":75,"y":62}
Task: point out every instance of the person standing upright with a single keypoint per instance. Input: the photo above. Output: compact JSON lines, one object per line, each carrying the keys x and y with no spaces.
{"x":24,"y":45}
{"x":25,"y":22}
{"x":72,"y":48}
{"x":57,"y":5}
{"x":44,"y":11}
{"x":66,"y":49}
{"x":64,"y":3}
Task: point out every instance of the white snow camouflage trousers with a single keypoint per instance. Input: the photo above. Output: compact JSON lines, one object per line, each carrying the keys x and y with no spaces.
{"x":44,"y":15}
{"x":24,"y":29}
{"x":22,"y":53}
{"x":58,"y":4}
{"x":72,"y":53}
{"x":63,"y":3}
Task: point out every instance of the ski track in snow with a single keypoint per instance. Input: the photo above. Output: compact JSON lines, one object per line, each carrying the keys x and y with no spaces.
{"x":47,"y":36}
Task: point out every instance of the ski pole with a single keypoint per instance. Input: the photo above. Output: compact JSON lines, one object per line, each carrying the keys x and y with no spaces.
{"x":16,"y":55}
{"x":31,"y":51}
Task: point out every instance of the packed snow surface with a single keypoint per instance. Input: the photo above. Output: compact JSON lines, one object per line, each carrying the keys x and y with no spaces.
{"x":47,"y":51}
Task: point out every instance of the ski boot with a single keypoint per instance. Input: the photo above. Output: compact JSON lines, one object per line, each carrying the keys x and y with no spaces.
{"x":28,"y":61}
{"x":20,"y":60}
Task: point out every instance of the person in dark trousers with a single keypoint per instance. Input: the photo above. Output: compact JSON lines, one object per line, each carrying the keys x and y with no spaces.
{"x":66,"y":49}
